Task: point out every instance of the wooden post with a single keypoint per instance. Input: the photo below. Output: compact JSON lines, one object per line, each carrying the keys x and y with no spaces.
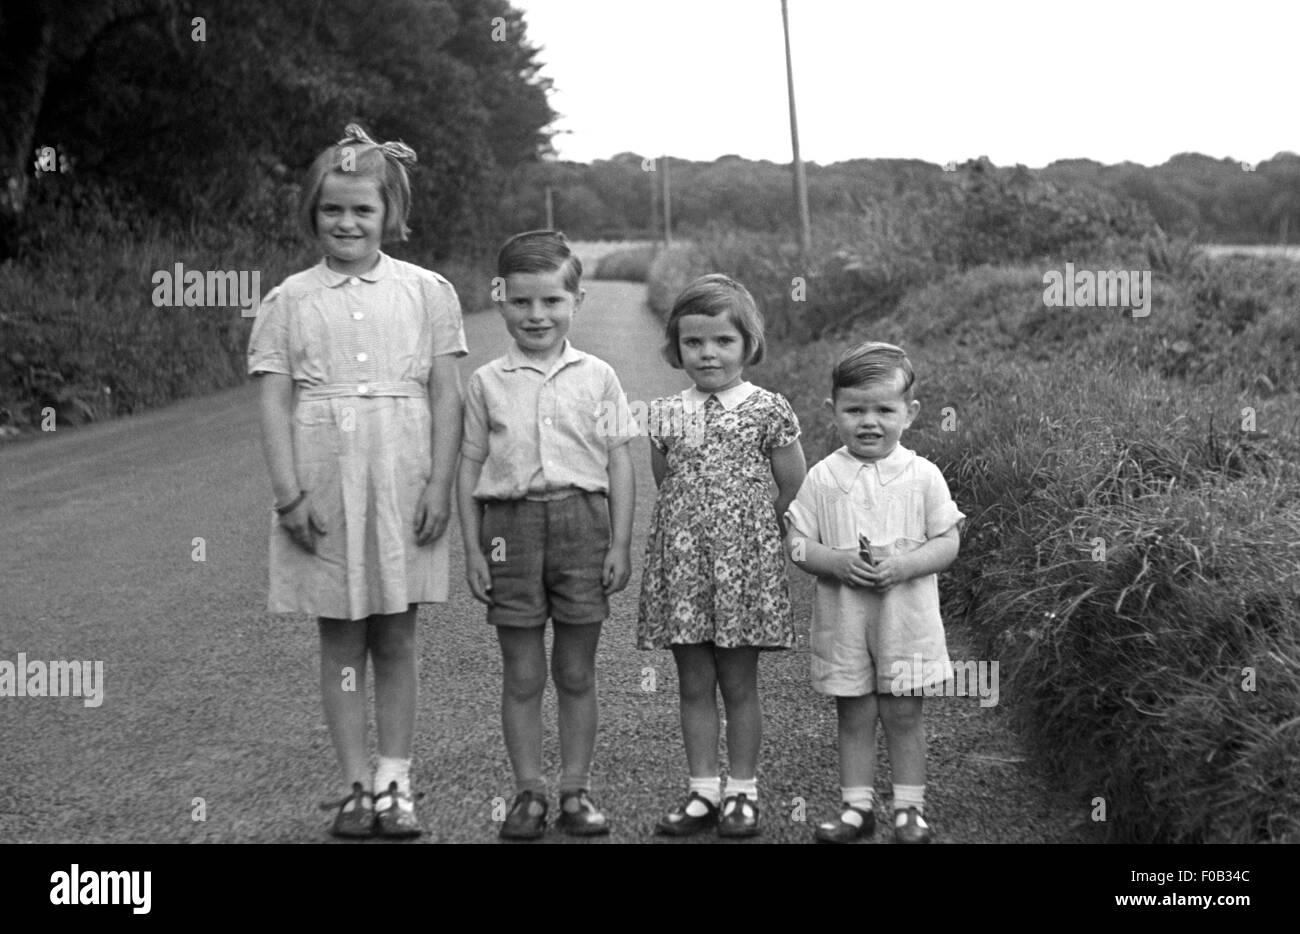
{"x":800,"y":182}
{"x":550,"y":209}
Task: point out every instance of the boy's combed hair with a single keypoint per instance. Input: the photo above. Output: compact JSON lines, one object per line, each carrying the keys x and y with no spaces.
{"x":870,"y":362}
{"x":359,"y":155}
{"x":713,"y":295}
{"x":541,"y":251}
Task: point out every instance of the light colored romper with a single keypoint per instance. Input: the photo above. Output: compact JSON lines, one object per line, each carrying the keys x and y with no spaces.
{"x":866,"y":642}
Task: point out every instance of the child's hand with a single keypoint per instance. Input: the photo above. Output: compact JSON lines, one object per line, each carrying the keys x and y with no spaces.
{"x":616,"y":570}
{"x":431,"y":515}
{"x":303,"y":525}
{"x":886,"y":573}
{"x":849,"y":568}
{"x":478,"y":576}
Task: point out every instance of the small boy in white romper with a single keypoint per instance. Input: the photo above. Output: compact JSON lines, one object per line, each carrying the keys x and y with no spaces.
{"x":877,"y":638}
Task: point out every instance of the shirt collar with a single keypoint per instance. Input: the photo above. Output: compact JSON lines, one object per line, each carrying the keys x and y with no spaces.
{"x":334,"y":279}
{"x":730,"y":398}
{"x":516,"y":359}
{"x":845,"y":467}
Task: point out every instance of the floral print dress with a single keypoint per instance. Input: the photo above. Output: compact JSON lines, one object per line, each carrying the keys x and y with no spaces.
{"x":715,"y":569}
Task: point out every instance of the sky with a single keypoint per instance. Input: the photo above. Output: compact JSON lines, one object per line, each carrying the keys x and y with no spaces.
{"x":1019,"y":82}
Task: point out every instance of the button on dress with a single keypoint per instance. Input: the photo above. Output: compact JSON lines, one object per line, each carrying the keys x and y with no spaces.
{"x":360,"y":350}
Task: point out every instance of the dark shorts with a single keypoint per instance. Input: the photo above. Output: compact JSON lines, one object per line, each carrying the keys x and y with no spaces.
{"x":545,"y":559}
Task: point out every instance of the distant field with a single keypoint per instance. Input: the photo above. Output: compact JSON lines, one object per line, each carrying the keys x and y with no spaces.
{"x":1215,"y":250}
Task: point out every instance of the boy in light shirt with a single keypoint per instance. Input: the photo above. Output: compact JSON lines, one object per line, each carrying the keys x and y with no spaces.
{"x":545,"y":494}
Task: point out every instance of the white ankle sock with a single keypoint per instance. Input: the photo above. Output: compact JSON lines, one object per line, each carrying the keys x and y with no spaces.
{"x":388,"y":770}
{"x":710,"y":789}
{"x":909,"y":796}
{"x":858,"y":797}
{"x":747,"y":787}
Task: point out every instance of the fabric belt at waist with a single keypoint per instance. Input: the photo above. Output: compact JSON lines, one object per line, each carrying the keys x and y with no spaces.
{"x":400,"y":388}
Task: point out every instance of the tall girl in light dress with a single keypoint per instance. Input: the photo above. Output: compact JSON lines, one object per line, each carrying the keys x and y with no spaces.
{"x":361,"y":419}
{"x":714,"y":588}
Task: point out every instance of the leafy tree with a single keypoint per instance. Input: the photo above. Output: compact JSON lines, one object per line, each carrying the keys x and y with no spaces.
{"x":197,"y":112}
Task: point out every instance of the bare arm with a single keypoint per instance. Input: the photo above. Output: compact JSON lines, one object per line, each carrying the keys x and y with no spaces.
{"x":276,"y":400}
{"x":789,"y":468}
{"x":931,"y":558}
{"x":622,"y":501}
{"x":845,"y":565}
{"x":445,"y":404}
{"x":471,"y":523}
{"x":658,"y":465}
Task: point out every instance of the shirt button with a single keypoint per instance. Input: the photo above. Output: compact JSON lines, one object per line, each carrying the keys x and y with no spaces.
{"x":354,"y":281}
{"x":361,"y":358}
{"x":363,"y":389}
{"x":357,"y":316}
{"x":546,"y":421}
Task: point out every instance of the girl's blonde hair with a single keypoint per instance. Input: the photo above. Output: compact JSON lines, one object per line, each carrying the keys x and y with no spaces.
{"x":359,"y":155}
{"x":713,"y":295}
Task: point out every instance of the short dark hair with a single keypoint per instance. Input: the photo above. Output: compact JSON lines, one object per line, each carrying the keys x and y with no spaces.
{"x":541,"y":251}
{"x":872,"y":362}
{"x":713,"y":295}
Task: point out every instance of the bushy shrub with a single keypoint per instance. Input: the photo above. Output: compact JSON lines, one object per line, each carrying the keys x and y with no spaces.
{"x":629,"y":264}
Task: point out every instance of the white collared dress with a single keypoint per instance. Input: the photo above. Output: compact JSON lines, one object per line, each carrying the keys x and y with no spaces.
{"x":715,"y":570}
{"x":360,"y":350}
{"x":862,"y":641}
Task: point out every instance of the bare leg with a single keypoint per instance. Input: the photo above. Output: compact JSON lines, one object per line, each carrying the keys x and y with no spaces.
{"x":738,"y":678}
{"x":573,"y":666}
{"x":698,"y":686}
{"x":523,"y":657}
{"x":343,"y":694}
{"x":857,"y":740}
{"x":391,"y":640}
{"x":905,"y":737}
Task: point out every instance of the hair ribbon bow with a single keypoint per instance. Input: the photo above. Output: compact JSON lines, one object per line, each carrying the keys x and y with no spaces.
{"x":393,"y":149}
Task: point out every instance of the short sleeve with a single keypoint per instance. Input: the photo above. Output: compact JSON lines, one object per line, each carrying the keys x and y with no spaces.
{"x":801,"y":516}
{"x":474,"y":437}
{"x":614,"y":400}
{"x":941,"y":513}
{"x":782,"y":427}
{"x":446,"y":327}
{"x":268,"y":344}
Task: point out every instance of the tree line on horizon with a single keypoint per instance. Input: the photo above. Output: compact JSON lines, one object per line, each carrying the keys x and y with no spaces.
{"x":1191,"y":195}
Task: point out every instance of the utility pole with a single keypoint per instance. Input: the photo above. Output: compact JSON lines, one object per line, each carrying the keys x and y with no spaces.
{"x":800,"y":182}
{"x":668,"y":201}
{"x":550,"y":209}
{"x":654,"y":199}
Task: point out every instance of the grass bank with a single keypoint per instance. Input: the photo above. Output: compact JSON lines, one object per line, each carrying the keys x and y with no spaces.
{"x":1132,"y":552}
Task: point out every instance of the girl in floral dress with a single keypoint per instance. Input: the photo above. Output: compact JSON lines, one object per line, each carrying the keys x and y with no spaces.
{"x":714,"y":587}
